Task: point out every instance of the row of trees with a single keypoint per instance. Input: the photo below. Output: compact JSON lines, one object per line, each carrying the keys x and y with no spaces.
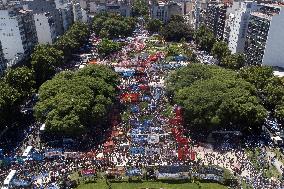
{"x":73,"y":102}
{"x":215,"y":97}
{"x":46,"y":59}
{"x":270,"y":89}
{"x":113,"y":25}
{"x":219,"y":49}
{"x":15,"y":86}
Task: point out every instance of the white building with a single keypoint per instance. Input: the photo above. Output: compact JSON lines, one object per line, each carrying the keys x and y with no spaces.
{"x":45,"y":28}
{"x":18,"y":34}
{"x":77,"y":12}
{"x":238,"y":24}
{"x":274,"y":48}
{"x":160,"y":11}
{"x":264,"y":41}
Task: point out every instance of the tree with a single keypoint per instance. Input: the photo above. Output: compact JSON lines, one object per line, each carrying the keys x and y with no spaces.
{"x":113,"y":26}
{"x":45,"y":60}
{"x":279,"y":112}
{"x":100,"y":72}
{"x":21,"y":79}
{"x":72,"y":103}
{"x":259,"y":76}
{"x":214,"y":97}
{"x":73,"y":39}
{"x":214,"y":103}
{"x":107,"y":47}
{"x":220,"y":50}
{"x":175,"y":31}
{"x":177,"y":18}
{"x":174,"y":50}
{"x":204,"y":39}
{"x":140,"y":8}
{"x":10,"y":100}
{"x":154,"y":25}
{"x":233,"y":61}
{"x":186,"y":76}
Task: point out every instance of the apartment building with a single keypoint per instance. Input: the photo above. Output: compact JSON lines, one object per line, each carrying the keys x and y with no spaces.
{"x":18,"y":32}
{"x":164,"y":10}
{"x":3,"y":62}
{"x":60,"y":10}
{"x":45,"y":28}
{"x":264,"y":41}
{"x":238,"y":25}
{"x":215,"y":18}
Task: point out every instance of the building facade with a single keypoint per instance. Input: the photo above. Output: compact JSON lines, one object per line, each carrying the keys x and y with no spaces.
{"x":3,"y":62}
{"x":46,"y":6}
{"x":165,"y":10}
{"x":238,"y":26}
{"x":18,"y":36}
{"x":215,"y":18}
{"x":45,"y":28}
{"x":264,"y":45}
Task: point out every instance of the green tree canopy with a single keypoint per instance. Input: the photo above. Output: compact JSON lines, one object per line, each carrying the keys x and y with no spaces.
{"x":10,"y":100}
{"x":107,"y":47}
{"x":214,"y":97}
{"x":259,"y":76}
{"x":220,"y":50}
{"x":175,"y":30}
{"x":204,"y":39}
{"x":21,"y":79}
{"x":74,"y":102}
{"x":154,"y":25}
{"x":233,"y":61}
{"x":140,"y":8}
{"x":73,"y":39}
{"x":113,"y":26}
{"x":45,"y":60}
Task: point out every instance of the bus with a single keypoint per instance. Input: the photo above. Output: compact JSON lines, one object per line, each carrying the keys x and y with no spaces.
{"x":8,"y":180}
{"x":27,"y":152}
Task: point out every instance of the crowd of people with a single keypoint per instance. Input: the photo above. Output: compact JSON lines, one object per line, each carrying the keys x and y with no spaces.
{"x":142,"y":136}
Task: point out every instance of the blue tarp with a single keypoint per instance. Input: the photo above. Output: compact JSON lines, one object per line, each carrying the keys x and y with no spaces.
{"x":133,"y":172}
{"x":147,"y":123}
{"x":134,"y":122}
{"x":179,"y":58}
{"x":146,"y":98}
{"x":21,"y":183}
{"x":128,"y":74}
{"x":37,"y":156}
{"x":137,"y":150}
{"x":135,"y":109}
{"x":134,"y":87}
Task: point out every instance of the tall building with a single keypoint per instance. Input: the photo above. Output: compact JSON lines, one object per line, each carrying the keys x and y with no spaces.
{"x":265,"y":34}
{"x":3,"y":63}
{"x":160,"y":11}
{"x":67,"y":16}
{"x":45,"y":28}
{"x":46,"y":6}
{"x":215,"y":18}
{"x":164,"y":10}
{"x":18,"y":32}
{"x":238,"y":26}
{"x":77,"y":12}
